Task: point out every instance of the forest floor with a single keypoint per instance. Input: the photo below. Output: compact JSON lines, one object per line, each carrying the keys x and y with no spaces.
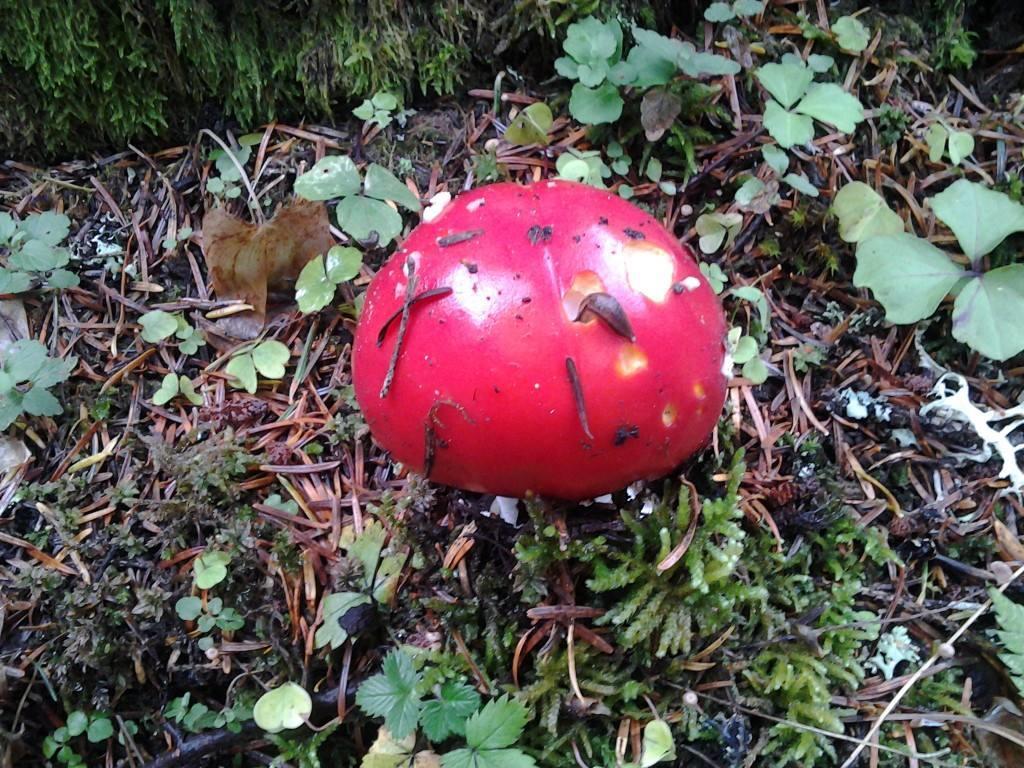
{"x":165,"y":561}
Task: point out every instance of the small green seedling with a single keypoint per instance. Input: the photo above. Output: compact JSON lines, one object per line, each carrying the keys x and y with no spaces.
{"x":211,"y":568}
{"x":209,"y":616}
{"x":158,"y":325}
{"x":26,"y":375}
{"x":33,"y":253}
{"x":173,"y":385}
{"x":95,"y":726}
{"x":714,"y":229}
{"x":851,"y":34}
{"x":283,"y":708}
{"x":226,"y":185}
{"x":721,"y":12}
{"x":658,"y":744}
{"x":530,"y":126}
{"x":382,"y":109}
{"x":197,"y":717}
{"x":797,"y":101}
{"x":714,"y":275}
{"x":267,"y":357}
{"x":363,"y":215}
{"x":171,"y":243}
{"x":910,"y":277}
{"x":942,"y":139}
{"x":584,"y":166}
{"x":321,"y":277}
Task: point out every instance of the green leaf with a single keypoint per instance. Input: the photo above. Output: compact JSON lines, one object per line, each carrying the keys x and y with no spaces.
{"x":167,"y":390}
{"x":908,"y":276}
{"x":49,"y":227}
{"x":594,"y":44}
{"x":282,"y":708}
{"x":831,"y":104}
{"x":776,"y":158}
{"x":979,"y":217}
{"x":38,"y":402}
{"x":336,"y":605}
{"x":718,"y":12}
{"x":658,"y":744}
{"x":801,"y":184}
{"x":499,"y":724}
{"x":12,"y":281}
{"x":24,"y":359}
{"x":158,"y":325}
{"x":37,"y":256}
{"x":242,"y":368}
{"x":961,"y":144}
{"x":384,"y":100}
{"x":935,"y":138}
{"x":77,"y":722}
{"x":863,"y":213}
{"x":99,"y":730}
{"x":746,"y":349}
{"x":215,"y":185}
{"x":188,"y":608}
{"x":787,"y":82}
{"x":364,"y":111}
{"x":270,"y":358}
{"x":748,"y":7}
{"x":653,"y":170}
{"x":447,"y":714}
{"x":186,"y":388}
{"x":7,"y":229}
{"x":50,"y":744}
{"x":1010,"y":618}
{"x":755,"y":370}
{"x":786,"y":127}
{"x":819,"y":63}
{"x":314,"y":290}
{"x":211,"y":568}
{"x":851,"y":34}
{"x":714,"y":228}
{"x":62,"y":278}
{"x":332,"y":176}
{"x":988,"y":314}
{"x":756,"y":297}
{"x":750,"y":189}
{"x":382,"y":184}
{"x":391,"y":694}
{"x":594,"y":106}
{"x":701,"y":64}
{"x":362,"y":217}
{"x":530,"y":126}
{"x":343,"y":263}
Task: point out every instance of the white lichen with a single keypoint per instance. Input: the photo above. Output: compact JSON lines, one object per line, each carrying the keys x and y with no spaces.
{"x":994,"y":428}
{"x":893,"y":647}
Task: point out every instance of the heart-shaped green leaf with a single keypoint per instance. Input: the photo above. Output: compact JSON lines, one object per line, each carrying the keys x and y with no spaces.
{"x":283,"y":708}
{"x":718,"y":12}
{"x":158,"y":325}
{"x":37,"y":256}
{"x":167,"y":391}
{"x":961,"y":144}
{"x":343,"y":263}
{"x":714,"y":228}
{"x":211,"y":568}
{"x":382,"y":184}
{"x":851,"y":34}
{"x":776,"y":158}
{"x":186,"y":388}
{"x":908,"y":275}
{"x":270,"y":358}
{"x":863,"y":213}
{"x":188,"y":608}
{"x":979,"y":217}
{"x":595,"y":106}
{"x":530,"y":126}
{"x":332,"y":176}
{"x":658,"y":744}
{"x":787,"y":128}
{"x":988,"y":315}
{"x":242,"y":368}
{"x":935,"y":138}
{"x":801,"y":184}
{"x":831,"y":104}
{"x":362,"y":218}
{"x":786,"y":82}
{"x":314,"y":290}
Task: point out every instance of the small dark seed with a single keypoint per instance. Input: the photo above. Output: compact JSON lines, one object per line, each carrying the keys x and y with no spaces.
{"x":634,"y":234}
{"x":458,"y":237}
{"x":603,"y":220}
{"x":625,"y":432}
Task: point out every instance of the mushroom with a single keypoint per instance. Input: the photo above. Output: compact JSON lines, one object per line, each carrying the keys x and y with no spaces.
{"x":550,"y":339}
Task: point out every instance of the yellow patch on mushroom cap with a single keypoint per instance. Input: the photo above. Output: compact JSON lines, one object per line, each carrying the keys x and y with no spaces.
{"x":698,"y":390}
{"x":669,"y":414}
{"x":631,"y":361}
{"x":583,"y":284}
{"x":649,"y":269}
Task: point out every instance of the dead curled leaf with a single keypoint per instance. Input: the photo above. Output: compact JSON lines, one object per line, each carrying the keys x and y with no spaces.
{"x":658,"y":111}
{"x":1010,"y":547}
{"x":250,"y":261}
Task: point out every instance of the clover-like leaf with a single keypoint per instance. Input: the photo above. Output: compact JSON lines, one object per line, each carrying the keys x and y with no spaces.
{"x":908,"y":275}
{"x":745,"y":350}
{"x":38,"y":256}
{"x":714,"y":228}
{"x":365,"y":219}
{"x":49,"y":227}
{"x":787,"y":81}
{"x":593,"y":43}
{"x":979,"y":217}
{"x":594,"y":106}
{"x":269,"y":357}
{"x":719,"y":12}
{"x":530,"y":126}
{"x":14,"y":281}
{"x":158,"y":325}
{"x":314,"y":290}
{"x":851,"y":34}
{"x":988,"y":314}
{"x":961,"y":144}
{"x":77,"y":723}
{"x":186,"y":388}
{"x":831,"y":104}
{"x":188,"y":608}
{"x":332,"y":176}
{"x":658,"y":744}
{"x":786,"y":127}
{"x":776,"y":158}
{"x":62,"y":278}
{"x":863,"y":213}
{"x":820,"y":63}
{"x":211,"y":568}
{"x":167,"y":391}
{"x":283,"y":708}
{"x":242,"y":368}
{"x":100,"y":729}
{"x":382,"y":184}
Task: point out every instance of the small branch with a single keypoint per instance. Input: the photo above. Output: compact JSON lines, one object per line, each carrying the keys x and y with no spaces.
{"x":410,"y":290}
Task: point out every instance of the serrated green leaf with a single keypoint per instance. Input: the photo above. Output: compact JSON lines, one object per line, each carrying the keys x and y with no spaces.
{"x":908,"y":275}
{"x":362,"y":218}
{"x":447,"y":714}
{"x":988,"y":314}
{"x":851,"y":34}
{"x":776,"y":158}
{"x":979,"y":217}
{"x":594,"y":106}
{"x":786,"y":82}
{"x":283,"y":708}
{"x":499,"y":724}
{"x":801,"y":184}
{"x":530,"y":126}
{"x":382,"y":184}
{"x":658,"y":744}
{"x":270,"y":358}
{"x":167,"y":390}
{"x":391,"y":694}
{"x":49,"y":227}
{"x":831,"y":104}
{"x":786,"y":127}
{"x":211,"y":568}
{"x":719,"y":12}
{"x":343,"y":263}
{"x":333,"y":176}
{"x":243,"y":370}
{"x":1010,"y":618}
{"x":863,"y":213}
{"x":158,"y":325}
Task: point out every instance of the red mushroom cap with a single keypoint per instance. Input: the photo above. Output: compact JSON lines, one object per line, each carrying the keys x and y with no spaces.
{"x":553,"y":339}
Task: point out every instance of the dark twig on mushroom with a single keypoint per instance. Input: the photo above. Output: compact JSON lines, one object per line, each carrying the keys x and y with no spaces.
{"x":422,"y":296}
{"x":608,"y":309}
{"x":577,"y":395}
{"x":458,"y":237}
{"x":410,"y":289}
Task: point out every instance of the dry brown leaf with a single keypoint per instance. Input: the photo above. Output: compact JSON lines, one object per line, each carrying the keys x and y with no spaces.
{"x":249,"y":261}
{"x":1009,"y":545}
